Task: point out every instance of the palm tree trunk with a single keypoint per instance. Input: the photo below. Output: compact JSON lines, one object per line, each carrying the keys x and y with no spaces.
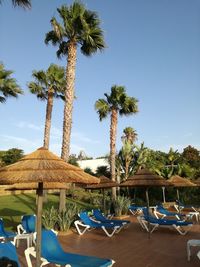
{"x":67,"y":120}
{"x":49,"y":109}
{"x":113,"y":134}
{"x":48,"y":119}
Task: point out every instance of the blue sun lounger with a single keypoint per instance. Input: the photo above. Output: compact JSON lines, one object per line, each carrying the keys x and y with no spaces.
{"x":54,"y":253}
{"x":3,"y":233}
{"x":88,"y":224}
{"x":161,"y":211}
{"x":181,"y":226}
{"x":101,"y":218}
{"x":8,"y":251}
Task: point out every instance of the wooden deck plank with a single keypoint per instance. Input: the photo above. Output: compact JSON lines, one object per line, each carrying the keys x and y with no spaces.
{"x":131,"y":247}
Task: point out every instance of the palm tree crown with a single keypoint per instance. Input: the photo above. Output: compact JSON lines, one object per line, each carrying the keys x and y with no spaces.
{"x":8,"y":85}
{"x":117,"y":100}
{"x":80,"y":26}
{"x":130,"y":135}
{"x":53,"y":79}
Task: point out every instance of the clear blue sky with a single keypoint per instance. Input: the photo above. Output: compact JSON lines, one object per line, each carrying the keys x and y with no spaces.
{"x":153,"y":49}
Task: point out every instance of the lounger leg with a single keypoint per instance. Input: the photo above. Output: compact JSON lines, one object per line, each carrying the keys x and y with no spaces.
{"x":180,"y":229}
{"x":86,"y":227}
{"x":109,"y":234}
{"x":188,"y":251}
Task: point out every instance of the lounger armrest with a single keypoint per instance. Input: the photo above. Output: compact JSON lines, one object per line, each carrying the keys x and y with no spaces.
{"x":31,"y":252}
{"x":20,"y":229}
{"x":156,"y":213}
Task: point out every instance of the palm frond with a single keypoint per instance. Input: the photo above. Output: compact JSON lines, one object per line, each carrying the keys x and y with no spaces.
{"x":129,"y":106}
{"x":63,"y":49}
{"x":51,"y":37}
{"x":22,"y":3}
{"x":102,"y":108}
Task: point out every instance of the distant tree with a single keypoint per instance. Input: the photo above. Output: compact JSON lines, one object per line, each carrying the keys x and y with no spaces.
{"x":48,"y":85}
{"x":173,"y":156}
{"x":103,"y":171}
{"x":8,"y":85}
{"x":73,"y":160}
{"x":191,"y":155}
{"x":118,"y":102}
{"x":89,"y":170}
{"x":21,"y":3}
{"x":12,"y":155}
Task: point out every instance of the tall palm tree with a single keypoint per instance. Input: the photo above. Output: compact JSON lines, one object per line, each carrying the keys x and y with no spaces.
{"x":47,"y":86}
{"x":116,"y":103}
{"x":130,"y":135}
{"x":21,"y":3}
{"x":8,"y":85}
{"x":79,"y":27}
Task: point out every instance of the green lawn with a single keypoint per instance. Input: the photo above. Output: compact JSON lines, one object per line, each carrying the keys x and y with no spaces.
{"x":12,"y":207}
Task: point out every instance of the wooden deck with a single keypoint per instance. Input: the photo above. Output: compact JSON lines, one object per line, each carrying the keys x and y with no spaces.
{"x":132,"y":248}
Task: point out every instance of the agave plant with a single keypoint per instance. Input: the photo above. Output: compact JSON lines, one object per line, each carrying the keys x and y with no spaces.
{"x":66,"y":218}
{"x":121,"y":205}
{"x":50,"y":218}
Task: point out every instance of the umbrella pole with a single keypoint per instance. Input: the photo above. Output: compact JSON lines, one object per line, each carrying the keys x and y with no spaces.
{"x":104,"y":201}
{"x":178,"y":198}
{"x":39,"y":223}
{"x":147,"y":199}
{"x":163,"y":190}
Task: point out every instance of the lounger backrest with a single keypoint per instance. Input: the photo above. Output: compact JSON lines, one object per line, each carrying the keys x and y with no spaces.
{"x":161,"y":209}
{"x":28,"y":223}
{"x":85,"y":218}
{"x":98,"y":215}
{"x":8,"y":250}
{"x":50,"y":244}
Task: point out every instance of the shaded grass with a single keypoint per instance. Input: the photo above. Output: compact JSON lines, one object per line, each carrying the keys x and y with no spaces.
{"x":12,"y":207}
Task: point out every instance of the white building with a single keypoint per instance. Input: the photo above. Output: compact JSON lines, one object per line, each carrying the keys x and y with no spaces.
{"x":93,"y":163}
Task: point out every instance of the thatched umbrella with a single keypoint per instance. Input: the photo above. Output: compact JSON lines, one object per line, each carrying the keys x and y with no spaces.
{"x":40,"y":167}
{"x":178,"y":182}
{"x":145,"y":178}
{"x":105,"y":183}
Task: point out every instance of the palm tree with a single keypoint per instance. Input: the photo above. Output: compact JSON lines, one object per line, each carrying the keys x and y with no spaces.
{"x":78,"y":27}
{"x":47,"y":86}
{"x":116,"y":103}
{"x":21,"y":3}
{"x":130,"y":135}
{"x":8,"y":85}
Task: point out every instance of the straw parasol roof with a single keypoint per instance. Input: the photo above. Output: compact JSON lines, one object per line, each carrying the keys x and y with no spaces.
{"x":104,"y":183}
{"x":145,"y":178}
{"x":43,"y":166}
{"x":34,"y":186}
{"x":178,"y":181}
